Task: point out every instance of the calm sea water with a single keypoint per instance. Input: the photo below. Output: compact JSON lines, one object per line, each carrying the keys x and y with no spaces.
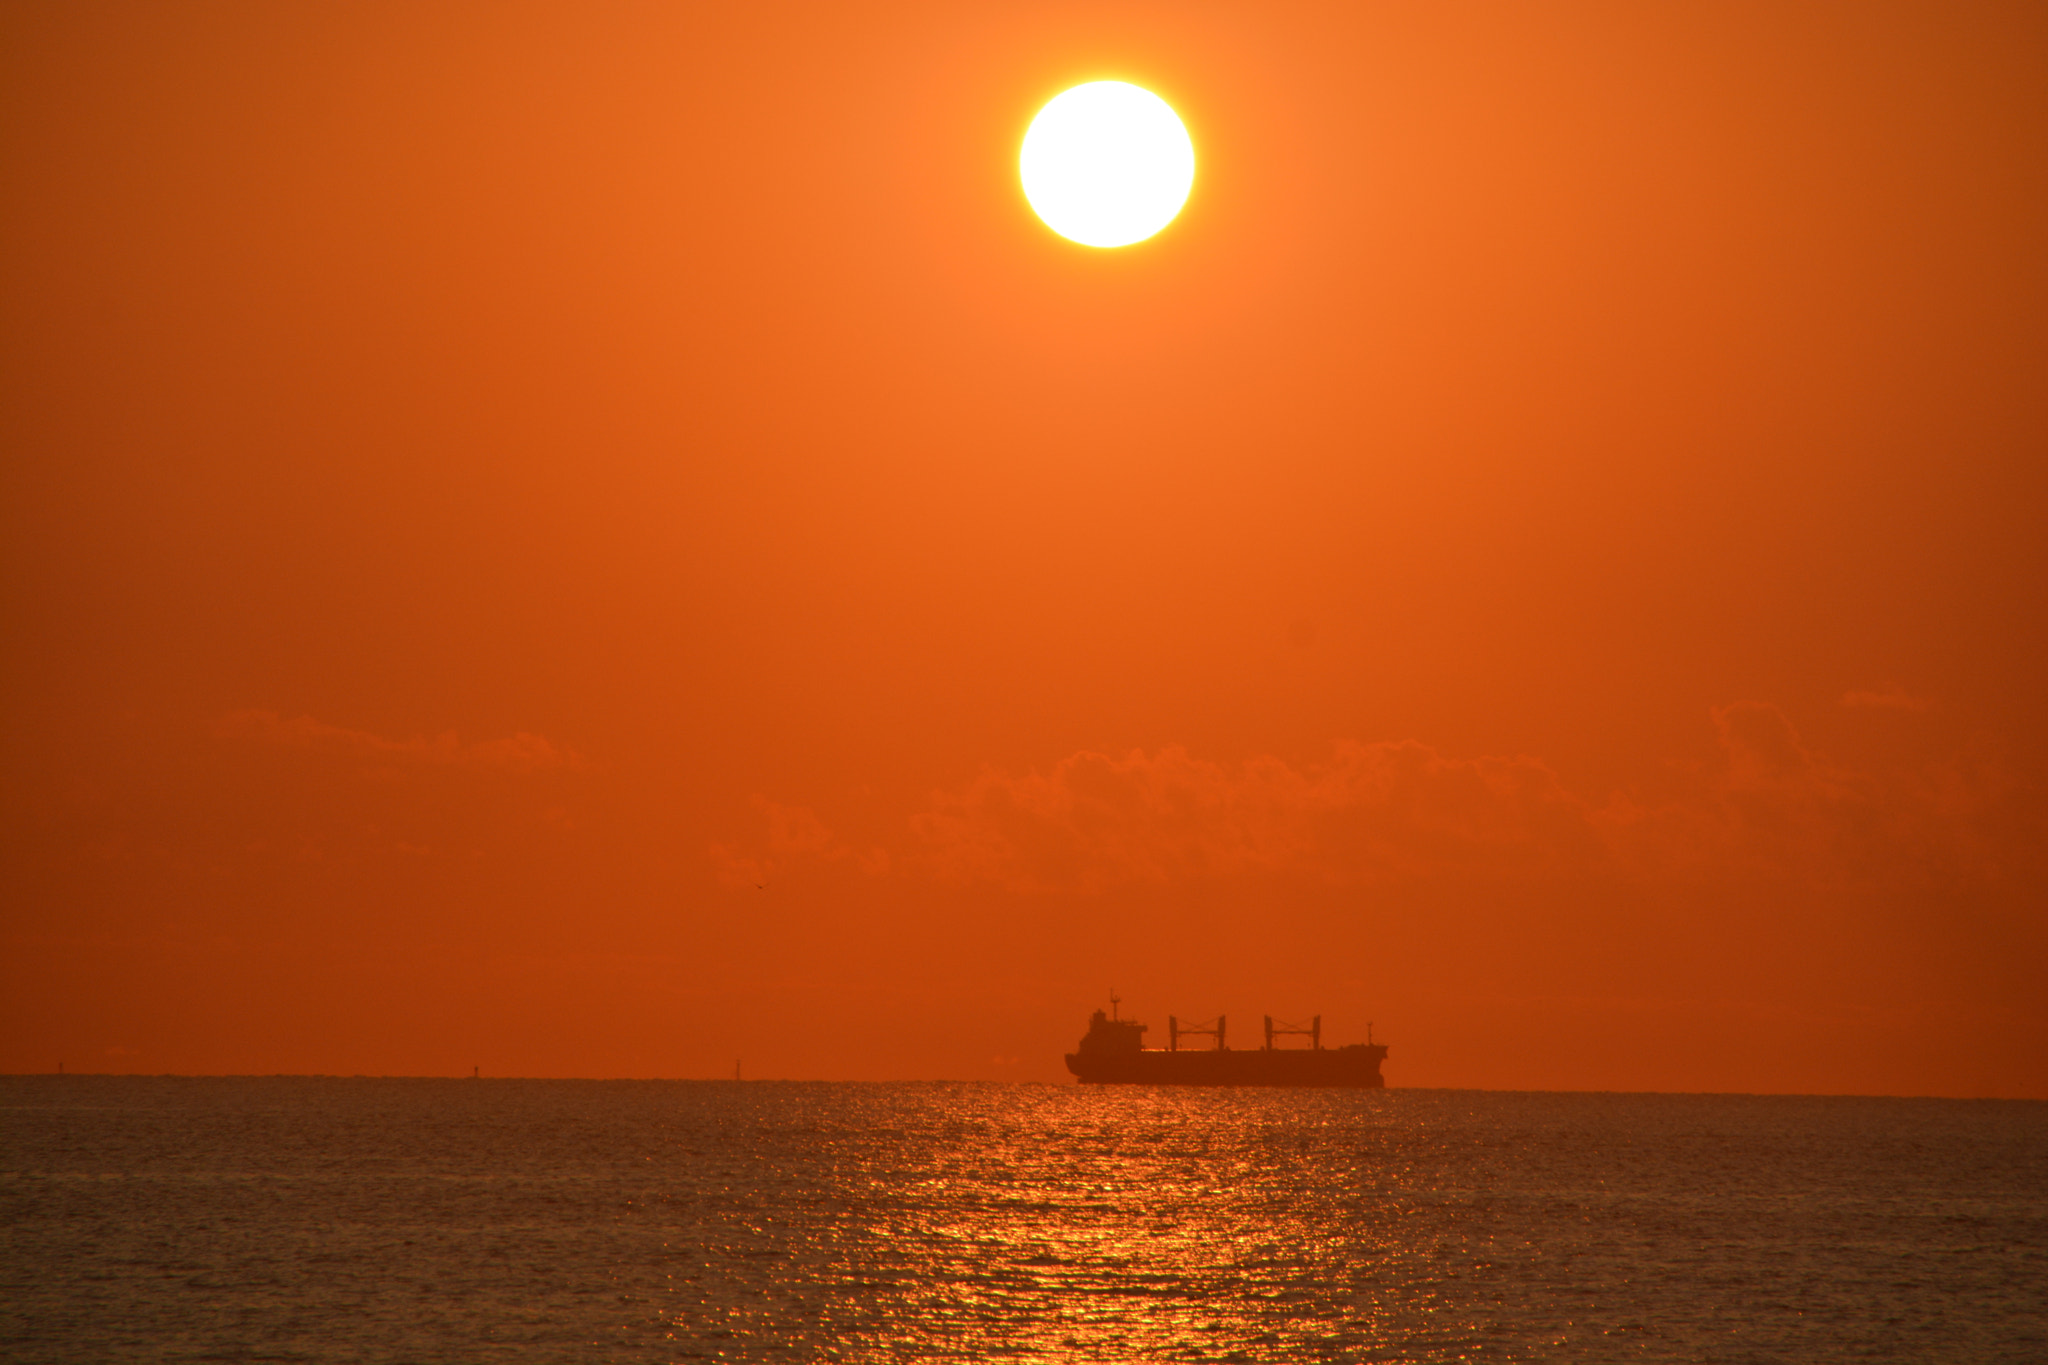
{"x":416,"y":1220}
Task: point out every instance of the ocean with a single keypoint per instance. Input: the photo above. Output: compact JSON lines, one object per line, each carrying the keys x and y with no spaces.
{"x":332,"y":1219}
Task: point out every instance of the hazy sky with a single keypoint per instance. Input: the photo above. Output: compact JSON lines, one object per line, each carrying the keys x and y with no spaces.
{"x":604,"y":539}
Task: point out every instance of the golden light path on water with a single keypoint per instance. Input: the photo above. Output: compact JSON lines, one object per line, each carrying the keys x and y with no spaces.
{"x":1120,"y":1224}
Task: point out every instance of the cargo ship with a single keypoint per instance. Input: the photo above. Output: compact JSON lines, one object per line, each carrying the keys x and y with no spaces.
{"x":1113,"y":1052}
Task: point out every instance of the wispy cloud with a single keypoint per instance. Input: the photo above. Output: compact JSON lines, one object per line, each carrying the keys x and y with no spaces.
{"x":1886,"y":699}
{"x":519,"y":753}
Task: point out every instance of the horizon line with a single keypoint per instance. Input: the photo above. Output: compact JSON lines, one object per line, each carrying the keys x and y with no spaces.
{"x":942,"y":1080}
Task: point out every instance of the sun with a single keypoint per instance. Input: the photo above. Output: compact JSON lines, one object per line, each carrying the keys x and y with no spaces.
{"x":1107,"y":164}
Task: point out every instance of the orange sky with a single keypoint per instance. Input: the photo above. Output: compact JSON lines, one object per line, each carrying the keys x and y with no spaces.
{"x":1545,"y":555}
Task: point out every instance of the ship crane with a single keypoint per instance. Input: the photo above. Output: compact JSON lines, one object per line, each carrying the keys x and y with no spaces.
{"x":1176,"y":1030}
{"x":1314,"y":1032}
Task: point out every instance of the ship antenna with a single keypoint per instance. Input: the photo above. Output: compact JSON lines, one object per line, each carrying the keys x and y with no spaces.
{"x":1114,"y":1001}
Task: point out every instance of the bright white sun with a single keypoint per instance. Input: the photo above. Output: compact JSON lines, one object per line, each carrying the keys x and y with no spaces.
{"x":1107,"y":164}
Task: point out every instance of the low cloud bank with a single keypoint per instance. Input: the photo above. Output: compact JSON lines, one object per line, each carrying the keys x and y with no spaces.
{"x":1766,"y":806}
{"x":1372,"y":810}
{"x":794,"y":833}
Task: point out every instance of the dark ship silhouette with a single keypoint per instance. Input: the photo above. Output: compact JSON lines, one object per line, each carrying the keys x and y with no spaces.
{"x":1113,"y":1052}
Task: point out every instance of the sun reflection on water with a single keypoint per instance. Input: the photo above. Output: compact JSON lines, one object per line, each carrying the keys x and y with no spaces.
{"x":1183,"y":1225}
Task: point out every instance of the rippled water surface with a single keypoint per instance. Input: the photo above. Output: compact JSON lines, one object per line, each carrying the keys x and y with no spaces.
{"x":316,"y":1219}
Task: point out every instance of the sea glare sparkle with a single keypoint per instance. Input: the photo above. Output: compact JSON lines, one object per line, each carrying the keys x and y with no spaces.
{"x":389,"y":1220}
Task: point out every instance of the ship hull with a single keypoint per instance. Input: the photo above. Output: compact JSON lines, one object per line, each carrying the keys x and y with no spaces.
{"x":1355,"y":1067}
